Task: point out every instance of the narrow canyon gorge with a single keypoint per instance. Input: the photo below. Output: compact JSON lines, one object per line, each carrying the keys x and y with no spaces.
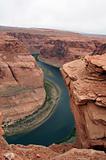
{"x":55,"y":46}
{"x":22,"y":89}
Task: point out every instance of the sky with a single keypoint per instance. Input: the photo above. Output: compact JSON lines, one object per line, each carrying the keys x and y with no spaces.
{"x":86,"y":16}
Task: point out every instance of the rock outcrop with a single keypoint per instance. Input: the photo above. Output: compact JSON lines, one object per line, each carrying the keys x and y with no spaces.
{"x":57,"y":47}
{"x":32,"y":152}
{"x":100,"y":49}
{"x":21,"y":81}
{"x":86,"y":81}
{"x":65,"y":50}
{"x":81,"y":154}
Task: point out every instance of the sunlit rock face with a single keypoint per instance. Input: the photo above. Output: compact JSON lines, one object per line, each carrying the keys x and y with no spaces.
{"x":86,"y":81}
{"x":21,"y":81}
{"x":57,"y":47}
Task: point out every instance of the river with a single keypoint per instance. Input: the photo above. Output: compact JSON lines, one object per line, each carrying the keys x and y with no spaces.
{"x":59,"y":125}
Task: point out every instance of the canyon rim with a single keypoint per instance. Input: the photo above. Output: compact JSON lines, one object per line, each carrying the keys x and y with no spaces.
{"x":22,"y":92}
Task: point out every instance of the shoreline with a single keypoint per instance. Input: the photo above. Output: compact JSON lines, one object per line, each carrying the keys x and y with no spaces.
{"x":44,"y":60}
{"x":34,"y":120}
{"x":47,"y":62}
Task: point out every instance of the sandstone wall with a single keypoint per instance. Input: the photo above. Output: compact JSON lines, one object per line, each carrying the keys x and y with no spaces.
{"x":86,"y":82}
{"x":21,"y":80}
{"x":57,"y":47}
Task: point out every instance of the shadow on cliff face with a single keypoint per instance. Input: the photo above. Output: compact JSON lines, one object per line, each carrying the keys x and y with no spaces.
{"x":99,"y":148}
{"x":54,"y":48}
{"x":101,"y":49}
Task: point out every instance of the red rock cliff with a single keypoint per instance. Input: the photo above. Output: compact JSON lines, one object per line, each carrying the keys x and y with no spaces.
{"x":57,"y":47}
{"x":86,"y":81}
{"x":21,"y":81}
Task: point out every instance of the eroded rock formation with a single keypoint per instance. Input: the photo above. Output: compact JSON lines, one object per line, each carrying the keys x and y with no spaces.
{"x":22,"y":92}
{"x":86,"y":81}
{"x":100,"y":49}
{"x":21,"y":81}
{"x":57,"y":47}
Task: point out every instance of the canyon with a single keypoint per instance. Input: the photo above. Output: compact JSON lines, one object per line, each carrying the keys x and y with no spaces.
{"x":54,"y":46}
{"x":22,"y":90}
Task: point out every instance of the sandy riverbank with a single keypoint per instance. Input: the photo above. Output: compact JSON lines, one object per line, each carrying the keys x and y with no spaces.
{"x":37,"y":118}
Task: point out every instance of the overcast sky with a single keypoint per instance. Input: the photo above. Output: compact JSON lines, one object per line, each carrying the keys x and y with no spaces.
{"x":75,"y":15}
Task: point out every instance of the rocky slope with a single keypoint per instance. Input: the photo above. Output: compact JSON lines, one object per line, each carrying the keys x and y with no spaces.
{"x":86,"y":81}
{"x":35,"y":152}
{"x":21,"y":81}
{"x":56,"y":47}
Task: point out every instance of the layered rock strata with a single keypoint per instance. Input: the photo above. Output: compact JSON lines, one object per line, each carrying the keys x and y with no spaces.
{"x":86,"y":82}
{"x":21,"y":81}
{"x":57,"y":47}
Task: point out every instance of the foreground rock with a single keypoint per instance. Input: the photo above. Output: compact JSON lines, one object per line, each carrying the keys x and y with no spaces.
{"x":81,"y":154}
{"x":19,"y":152}
{"x":35,"y":152}
{"x":21,"y":81}
{"x":86,"y":81}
